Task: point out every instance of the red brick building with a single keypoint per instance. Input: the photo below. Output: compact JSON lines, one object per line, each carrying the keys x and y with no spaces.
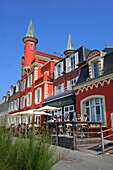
{"x":36,"y":78}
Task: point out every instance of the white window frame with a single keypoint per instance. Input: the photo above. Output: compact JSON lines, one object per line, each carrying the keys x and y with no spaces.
{"x":11,"y":90}
{"x":58,"y":69}
{"x":23,"y":85}
{"x":22,"y":102}
{"x":83,"y":108}
{"x":38,"y":95}
{"x":14,"y":105}
{"x":69,"y":85}
{"x":17,"y":104}
{"x":29,"y":83}
{"x":11,"y":106}
{"x":29,"y":99}
{"x":69,"y":110}
{"x":74,"y":81}
{"x":17,"y":87}
{"x":93,"y":69}
{"x":69,"y":65}
{"x":60,"y":88}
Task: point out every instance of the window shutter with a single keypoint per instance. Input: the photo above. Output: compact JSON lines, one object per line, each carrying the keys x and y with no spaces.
{"x":40,"y":95}
{"x":76,"y":59}
{"x":30,"y":99}
{"x":68,"y":65}
{"x":35,"y":96}
{"x":55,"y":72}
{"x":24,"y":84}
{"x":62,"y":67}
{"x":27,"y":97}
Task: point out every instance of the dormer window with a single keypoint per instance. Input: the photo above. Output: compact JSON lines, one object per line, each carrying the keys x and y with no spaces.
{"x":58,"y":69}
{"x":11,"y":90}
{"x":95,"y":69}
{"x":71,"y":62}
{"x":17,"y":87}
{"x":95,"y":61}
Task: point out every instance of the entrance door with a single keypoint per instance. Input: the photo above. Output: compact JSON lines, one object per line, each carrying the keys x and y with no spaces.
{"x":71,"y":116}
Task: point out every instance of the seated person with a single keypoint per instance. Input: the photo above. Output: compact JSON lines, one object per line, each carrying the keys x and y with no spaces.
{"x":85,"y":127}
{"x":66,"y":118}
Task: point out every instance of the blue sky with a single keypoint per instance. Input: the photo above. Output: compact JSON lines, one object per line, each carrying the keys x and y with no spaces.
{"x":90,"y":23}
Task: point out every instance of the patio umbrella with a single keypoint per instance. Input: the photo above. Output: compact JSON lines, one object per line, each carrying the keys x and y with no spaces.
{"x":30,"y":113}
{"x":36,"y":112}
{"x":48,"y":108}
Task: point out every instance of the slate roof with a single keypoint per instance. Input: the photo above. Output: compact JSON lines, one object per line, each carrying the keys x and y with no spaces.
{"x":108,"y":64}
{"x":108,"y":50}
{"x":107,"y":69}
{"x":84,"y":74}
{"x":83,"y":52}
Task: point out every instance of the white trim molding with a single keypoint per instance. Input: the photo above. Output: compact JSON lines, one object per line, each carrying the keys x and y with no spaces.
{"x":94,"y":83}
{"x":82,"y":105}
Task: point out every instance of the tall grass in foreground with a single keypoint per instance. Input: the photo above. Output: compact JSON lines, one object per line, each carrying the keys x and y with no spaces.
{"x":26,"y":154}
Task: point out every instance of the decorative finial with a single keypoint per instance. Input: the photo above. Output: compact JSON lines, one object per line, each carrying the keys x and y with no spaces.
{"x":106,"y":44}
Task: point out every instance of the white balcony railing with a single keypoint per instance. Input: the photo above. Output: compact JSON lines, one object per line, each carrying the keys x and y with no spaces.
{"x":61,"y":91}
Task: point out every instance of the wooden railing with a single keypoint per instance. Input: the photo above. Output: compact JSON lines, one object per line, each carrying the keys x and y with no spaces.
{"x":94,"y":130}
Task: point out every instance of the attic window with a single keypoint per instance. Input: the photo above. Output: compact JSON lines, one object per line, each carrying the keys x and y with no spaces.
{"x":95,"y":69}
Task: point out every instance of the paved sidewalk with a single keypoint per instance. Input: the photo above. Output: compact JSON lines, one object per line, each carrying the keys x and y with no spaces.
{"x":77,"y":160}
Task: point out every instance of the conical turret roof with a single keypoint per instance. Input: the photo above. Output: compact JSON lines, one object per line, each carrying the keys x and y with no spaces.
{"x":30,"y":35}
{"x":69,"y":47}
{"x":30,"y":31}
{"x":69,"y":43}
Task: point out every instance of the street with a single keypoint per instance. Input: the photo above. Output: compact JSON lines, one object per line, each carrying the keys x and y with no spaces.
{"x":77,"y":160}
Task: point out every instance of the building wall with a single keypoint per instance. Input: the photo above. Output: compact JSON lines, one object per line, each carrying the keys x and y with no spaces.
{"x":103,"y":89}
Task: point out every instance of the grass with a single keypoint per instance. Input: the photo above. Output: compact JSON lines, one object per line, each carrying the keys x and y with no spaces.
{"x":26,"y":154}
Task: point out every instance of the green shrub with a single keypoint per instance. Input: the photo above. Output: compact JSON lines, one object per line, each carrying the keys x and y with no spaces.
{"x":26,"y":154}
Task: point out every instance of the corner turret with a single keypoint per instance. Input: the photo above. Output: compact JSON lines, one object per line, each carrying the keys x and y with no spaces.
{"x":30,"y":41}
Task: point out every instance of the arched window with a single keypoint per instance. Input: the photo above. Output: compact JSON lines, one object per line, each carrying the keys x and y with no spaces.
{"x":94,"y":106}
